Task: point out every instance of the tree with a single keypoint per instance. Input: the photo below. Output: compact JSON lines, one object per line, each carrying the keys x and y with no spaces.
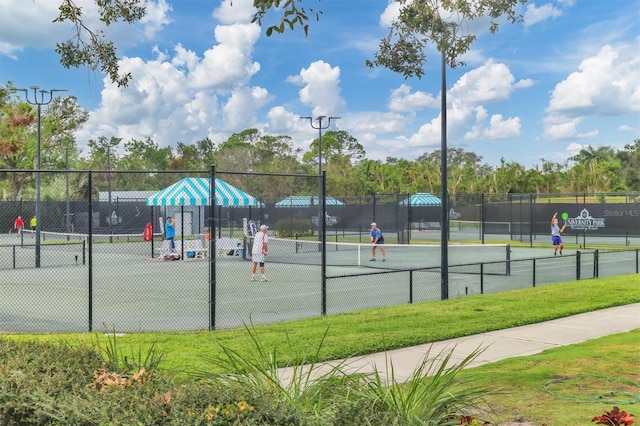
{"x":18,"y":135}
{"x":597,"y":169}
{"x":630,"y":163}
{"x":89,"y":46}
{"x":17,"y":144}
{"x":428,"y":21}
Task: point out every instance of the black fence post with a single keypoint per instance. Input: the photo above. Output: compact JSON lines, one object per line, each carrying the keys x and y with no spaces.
{"x":411,"y":286}
{"x":323,"y":243}
{"x":212,"y":251}
{"x":534,"y":272}
{"x":90,"y":247}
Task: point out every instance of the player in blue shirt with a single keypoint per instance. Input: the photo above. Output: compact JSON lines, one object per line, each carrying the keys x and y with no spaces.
{"x":170,"y":232}
{"x":378,"y":240}
{"x":556,"y":239}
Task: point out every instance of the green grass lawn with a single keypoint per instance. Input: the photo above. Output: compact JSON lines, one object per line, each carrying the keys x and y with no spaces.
{"x":394,"y":327}
{"x":568,"y":385}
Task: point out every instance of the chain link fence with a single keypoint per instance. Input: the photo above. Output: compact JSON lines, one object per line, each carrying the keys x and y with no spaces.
{"x":99,"y":257}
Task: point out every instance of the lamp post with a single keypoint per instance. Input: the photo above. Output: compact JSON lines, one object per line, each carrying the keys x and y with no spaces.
{"x":320,"y":127}
{"x":444,"y":214}
{"x":45,"y":98}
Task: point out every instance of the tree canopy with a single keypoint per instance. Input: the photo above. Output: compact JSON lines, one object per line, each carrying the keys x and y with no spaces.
{"x":349,"y":171}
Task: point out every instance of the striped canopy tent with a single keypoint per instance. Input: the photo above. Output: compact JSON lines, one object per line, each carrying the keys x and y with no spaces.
{"x":195,"y":192}
{"x":306,"y":201}
{"x":422,"y":199}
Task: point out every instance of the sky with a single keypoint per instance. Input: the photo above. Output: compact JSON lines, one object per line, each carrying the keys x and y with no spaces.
{"x":566,"y":78}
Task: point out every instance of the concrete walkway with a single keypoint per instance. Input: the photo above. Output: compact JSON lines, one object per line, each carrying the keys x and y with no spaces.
{"x":500,"y":344}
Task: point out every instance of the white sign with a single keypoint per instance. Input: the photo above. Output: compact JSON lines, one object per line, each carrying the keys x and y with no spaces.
{"x":584,"y":222}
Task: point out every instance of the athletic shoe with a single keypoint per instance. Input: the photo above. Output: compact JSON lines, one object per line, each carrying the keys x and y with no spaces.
{"x":373,"y":259}
{"x":263,"y":279}
{"x":384,"y":260}
{"x":555,"y":254}
{"x":560,"y":253}
{"x":253,"y":278}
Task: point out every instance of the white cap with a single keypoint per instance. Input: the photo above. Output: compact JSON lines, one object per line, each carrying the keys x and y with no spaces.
{"x":373,"y":224}
{"x":263,"y":227}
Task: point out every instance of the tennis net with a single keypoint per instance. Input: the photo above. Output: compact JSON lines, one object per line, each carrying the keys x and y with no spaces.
{"x":398,"y":256}
{"x":23,"y":255}
{"x":101,"y":243}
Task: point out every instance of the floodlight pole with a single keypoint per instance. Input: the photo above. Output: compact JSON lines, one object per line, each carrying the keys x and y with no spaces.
{"x":320,"y":128}
{"x":46,"y":96}
{"x":444,"y":239}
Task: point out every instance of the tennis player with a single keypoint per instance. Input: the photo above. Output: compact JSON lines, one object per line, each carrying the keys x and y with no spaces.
{"x":378,"y":240}
{"x":170,"y":232}
{"x":258,"y":252}
{"x":556,"y":239}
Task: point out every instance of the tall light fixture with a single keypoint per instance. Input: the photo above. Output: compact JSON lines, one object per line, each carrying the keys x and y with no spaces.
{"x":444,"y":214}
{"x":45,"y":97}
{"x":320,"y":127}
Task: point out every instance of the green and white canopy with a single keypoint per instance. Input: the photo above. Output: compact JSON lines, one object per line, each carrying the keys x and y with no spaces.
{"x":196,"y":191}
{"x":306,"y":201}
{"x":422,"y":199}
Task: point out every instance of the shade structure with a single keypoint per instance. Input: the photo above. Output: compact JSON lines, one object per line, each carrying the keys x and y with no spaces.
{"x":422,"y":199}
{"x":195,"y":192}
{"x":306,"y":201}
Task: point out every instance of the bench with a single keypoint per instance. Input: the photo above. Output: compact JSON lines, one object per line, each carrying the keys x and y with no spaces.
{"x":224,"y":247}
{"x":228,"y":246}
{"x":195,"y":246}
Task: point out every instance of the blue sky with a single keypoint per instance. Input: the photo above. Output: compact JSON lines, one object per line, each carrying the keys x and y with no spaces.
{"x":566,"y":78}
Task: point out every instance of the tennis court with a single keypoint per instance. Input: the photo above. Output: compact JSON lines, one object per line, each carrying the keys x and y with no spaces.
{"x":121,"y":287}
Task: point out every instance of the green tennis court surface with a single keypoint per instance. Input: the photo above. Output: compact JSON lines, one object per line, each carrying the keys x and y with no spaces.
{"x":131,"y":291}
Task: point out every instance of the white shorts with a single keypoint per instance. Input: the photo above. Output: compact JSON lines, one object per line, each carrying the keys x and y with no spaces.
{"x":258,"y":258}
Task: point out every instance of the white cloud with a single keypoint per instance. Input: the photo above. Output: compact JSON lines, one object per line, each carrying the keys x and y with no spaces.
{"x":28,"y":23}
{"x":231,"y":12}
{"x":487,"y":83}
{"x":155,"y":18}
{"x":230,"y":61}
{"x":606,"y":84}
{"x":242,"y":104}
{"x":321,"y":88}
{"x":490,"y":82}
{"x":402,"y":99}
{"x":390,"y":14}
{"x":534,"y":14}
{"x":498,"y":127}
{"x":181,"y":97}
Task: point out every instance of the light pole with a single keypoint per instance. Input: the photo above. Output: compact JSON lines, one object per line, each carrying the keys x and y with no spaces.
{"x":320,"y":128}
{"x":46,"y":96}
{"x":444,"y":214}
